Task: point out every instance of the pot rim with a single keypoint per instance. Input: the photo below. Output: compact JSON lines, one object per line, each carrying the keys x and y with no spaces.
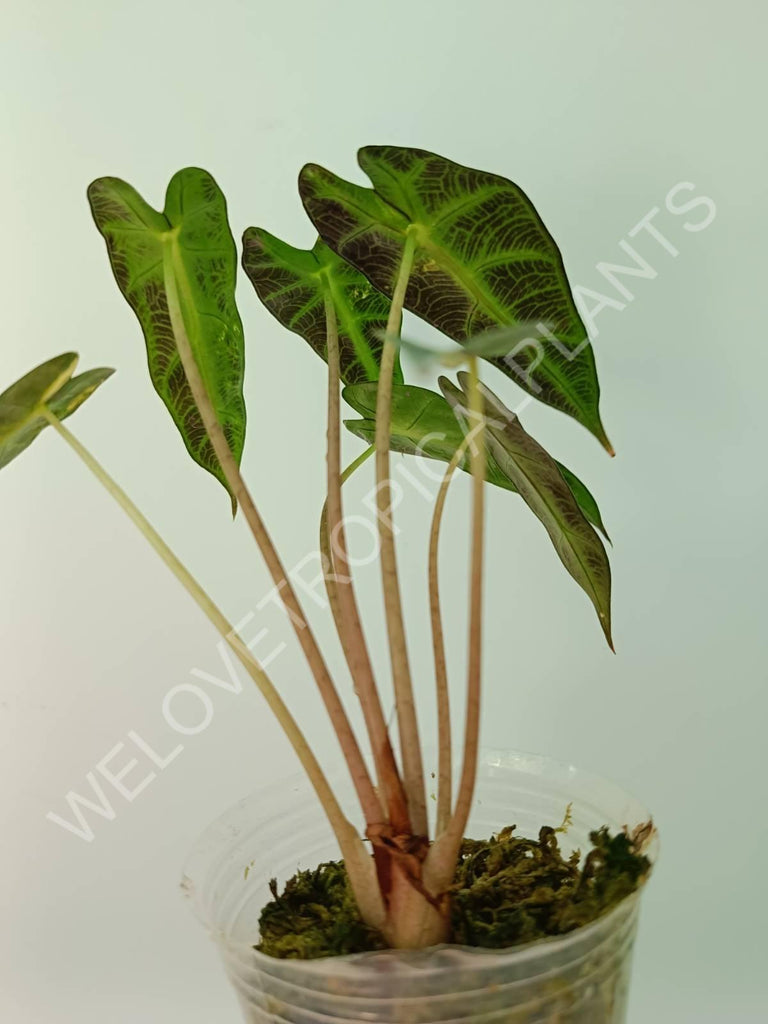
{"x":370,"y":962}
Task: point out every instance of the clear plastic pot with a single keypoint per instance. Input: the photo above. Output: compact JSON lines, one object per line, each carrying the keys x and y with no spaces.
{"x":580,"y":978}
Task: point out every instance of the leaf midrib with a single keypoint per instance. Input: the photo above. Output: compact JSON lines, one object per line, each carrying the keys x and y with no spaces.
{"x":338,"y":299}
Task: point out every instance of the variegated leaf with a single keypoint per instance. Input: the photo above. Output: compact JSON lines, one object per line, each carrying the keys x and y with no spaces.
{"x":483,"y":260}
{"x":190,"y":240}
{"x":294,"y":283}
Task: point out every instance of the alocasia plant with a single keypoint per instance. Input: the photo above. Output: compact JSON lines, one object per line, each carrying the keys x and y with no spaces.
{"x":467,"y":252}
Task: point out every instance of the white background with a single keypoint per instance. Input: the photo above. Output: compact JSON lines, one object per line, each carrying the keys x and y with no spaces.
{"x":597,"y":109}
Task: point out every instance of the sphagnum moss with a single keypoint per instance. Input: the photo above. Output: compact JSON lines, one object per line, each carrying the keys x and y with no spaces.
{"x":507,"y":890}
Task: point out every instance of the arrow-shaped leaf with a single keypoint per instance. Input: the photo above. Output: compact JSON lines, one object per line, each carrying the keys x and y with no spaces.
{"x":51,"y":384}
{"x":293,"y":284}
{"x":483,"y":260}
{"x":543,"y":488}
{"x":423,"y":423}
{"x":191,"y":241}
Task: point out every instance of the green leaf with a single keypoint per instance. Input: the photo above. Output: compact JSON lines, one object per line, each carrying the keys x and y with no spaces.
{"x":543,"y":488}
{"x":191,"y":241}
{"x":293,"y":285}
{"x":20,"y":400}
{"x":423,"y":423}
{"x":584,"y":499}
{"x":484,"y":260}
{"x":50,"y":384}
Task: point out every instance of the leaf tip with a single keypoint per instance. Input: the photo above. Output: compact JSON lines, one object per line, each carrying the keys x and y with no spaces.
{"x":594,"y":425}
{"x":605,"y":623}
{"x":602,"y":437}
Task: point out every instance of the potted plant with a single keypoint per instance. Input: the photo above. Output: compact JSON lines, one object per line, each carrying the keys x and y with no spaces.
{"x":400,"y":911}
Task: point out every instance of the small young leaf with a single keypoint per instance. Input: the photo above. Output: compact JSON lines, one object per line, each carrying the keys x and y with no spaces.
{"x":484,"y":260}
{"x":19,"y":402}
{"x":294,"y":283}
{"x":423,"y":423}
{"x":191,"y":240}
{"x":50,"y":384}
{"x":543,"y":488}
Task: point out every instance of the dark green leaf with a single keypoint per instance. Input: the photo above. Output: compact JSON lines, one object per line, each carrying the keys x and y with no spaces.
{"x":50,"y":384}
{"x":293,"y":285}
{"x":483,"y":260}
{"x":191,"y":241}
{"x":543,"y":488}
{"x":423,"y":423}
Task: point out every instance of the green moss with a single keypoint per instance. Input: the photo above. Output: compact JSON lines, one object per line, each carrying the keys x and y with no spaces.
{"x":510,"y":890}
{"x":315,"y":915}
{"x":507,"y":890}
